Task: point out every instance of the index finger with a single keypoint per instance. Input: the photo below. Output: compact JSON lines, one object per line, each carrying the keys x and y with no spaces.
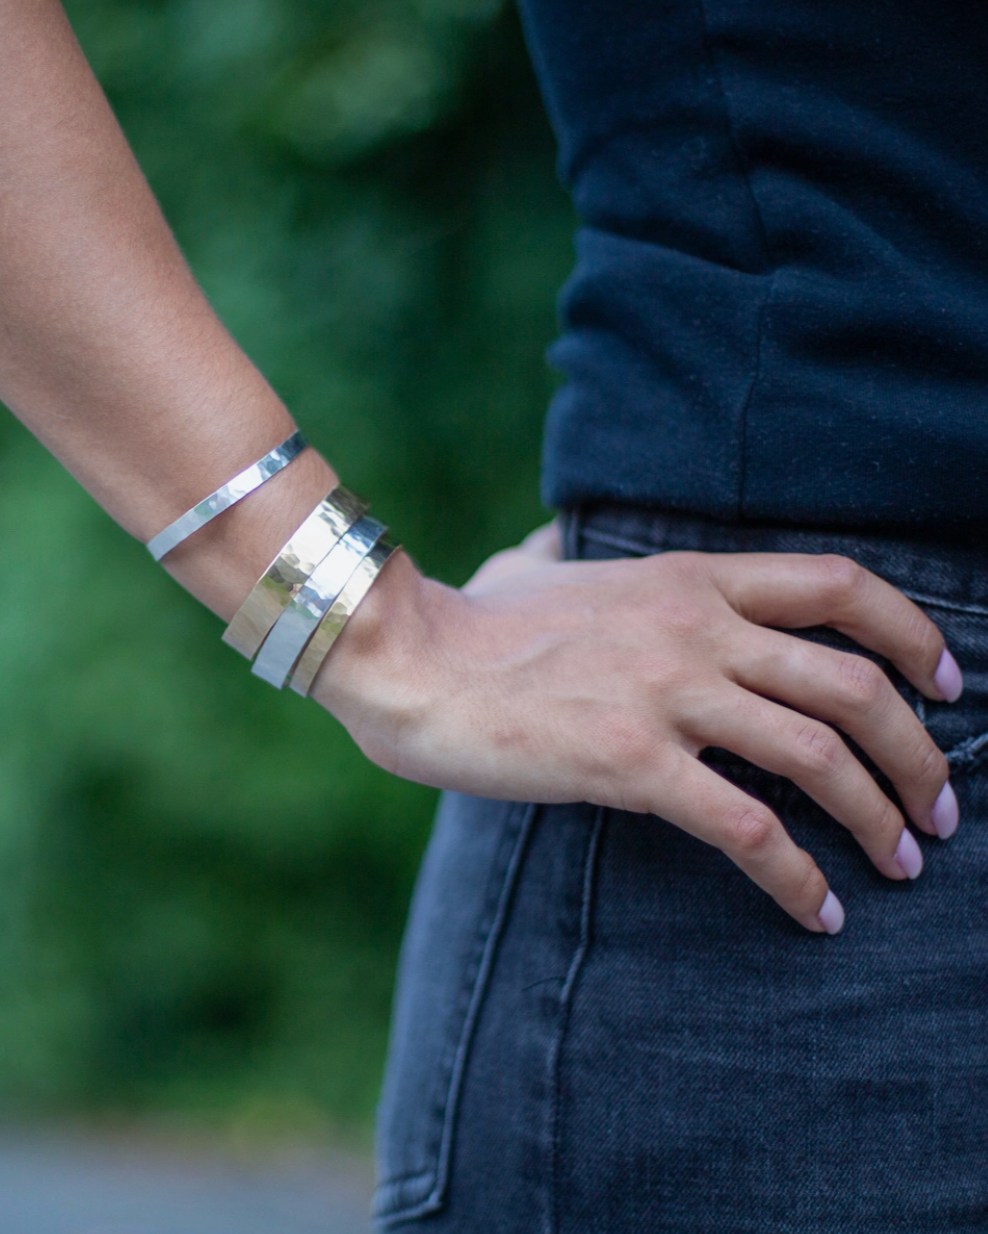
{"x":796,"y":590}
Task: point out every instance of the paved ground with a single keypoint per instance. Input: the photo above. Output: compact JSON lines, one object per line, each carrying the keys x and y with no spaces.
{"x":85,"y":1184}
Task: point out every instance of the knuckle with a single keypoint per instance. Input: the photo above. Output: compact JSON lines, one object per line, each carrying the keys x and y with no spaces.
{"x":634,"y":786}
{"x":751,"y":830}
{"x":810,"y":886}
{"x":862,"y":683}
{"x":680,"y":621}
{"x":841,"y":578}
{"x":923,"y":641}
{"x":685,"y":563}
{"x":627,"y":747}
{"x":931,"y":766}
{"x":819,"y":749}
{"x":889,"y":821}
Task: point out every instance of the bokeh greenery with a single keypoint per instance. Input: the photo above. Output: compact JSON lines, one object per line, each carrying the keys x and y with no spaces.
{"x":203,"y":883}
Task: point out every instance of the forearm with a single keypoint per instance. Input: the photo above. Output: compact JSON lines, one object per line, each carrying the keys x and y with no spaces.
{"x":109,"y":352}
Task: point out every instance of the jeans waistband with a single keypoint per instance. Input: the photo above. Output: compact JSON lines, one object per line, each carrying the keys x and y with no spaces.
{"x":927,"y":569}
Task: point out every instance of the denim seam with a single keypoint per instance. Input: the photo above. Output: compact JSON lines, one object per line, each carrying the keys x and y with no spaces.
{"x":565,"y":1003}
{"x":439,"y":1174}
{"x":409,"y":1177}
{"x":976,"y":610}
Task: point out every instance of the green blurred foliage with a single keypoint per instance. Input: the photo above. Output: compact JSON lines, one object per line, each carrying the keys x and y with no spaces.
{"x":203,"y":881}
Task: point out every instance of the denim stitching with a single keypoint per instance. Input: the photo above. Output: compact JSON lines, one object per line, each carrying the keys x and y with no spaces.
{"x":480,"y":987}
{"x":437,"y":1195}
{"x":565,"y":1000}
{"x":976,"y":610}
{"x":968,"y":753}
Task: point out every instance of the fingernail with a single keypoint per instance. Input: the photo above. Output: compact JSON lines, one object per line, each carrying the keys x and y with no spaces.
{"x":945,"y":814}
{"x":947,"y":678}
{"x":908,"y":856}
{"x":831,"y":916}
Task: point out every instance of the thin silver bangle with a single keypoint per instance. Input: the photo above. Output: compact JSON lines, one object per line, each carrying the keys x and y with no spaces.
{"x":287,"y":574}
{"x":229,"y":494}
{"x":299,"y":621}
{"x":338,"y":614}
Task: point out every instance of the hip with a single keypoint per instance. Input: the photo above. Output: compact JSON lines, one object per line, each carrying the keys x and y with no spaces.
{"x":601,"y":1023}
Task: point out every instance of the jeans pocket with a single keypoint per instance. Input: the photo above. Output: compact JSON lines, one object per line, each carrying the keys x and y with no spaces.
{"x":458,"y":913}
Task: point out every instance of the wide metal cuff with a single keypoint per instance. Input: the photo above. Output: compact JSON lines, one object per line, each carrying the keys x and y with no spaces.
{"x":289,"y":572}
{"x":338,"y":614}
{"x":298,"y":622}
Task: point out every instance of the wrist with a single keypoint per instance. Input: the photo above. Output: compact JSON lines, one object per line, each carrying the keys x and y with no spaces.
{"x":374,"y":680}
{"x":221,"y":562}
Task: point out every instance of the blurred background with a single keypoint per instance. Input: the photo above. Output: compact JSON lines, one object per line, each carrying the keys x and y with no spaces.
{"x":202,"y":882}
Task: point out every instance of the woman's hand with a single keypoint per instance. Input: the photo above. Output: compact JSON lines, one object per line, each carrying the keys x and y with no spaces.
{"x":602,"y":681}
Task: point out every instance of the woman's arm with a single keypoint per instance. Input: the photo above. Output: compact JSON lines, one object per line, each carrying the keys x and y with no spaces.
{"x":542,"y":680}
{"x":109,"y":352}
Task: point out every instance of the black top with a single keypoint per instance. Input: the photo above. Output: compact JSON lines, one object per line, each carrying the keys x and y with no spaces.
{"x":780,"y":304}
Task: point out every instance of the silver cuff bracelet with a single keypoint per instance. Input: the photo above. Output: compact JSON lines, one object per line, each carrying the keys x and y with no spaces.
{"x":298,"y":622}
{"x":288,"y":573}
{"x":338,"y":614}
{"x":247,"y":481}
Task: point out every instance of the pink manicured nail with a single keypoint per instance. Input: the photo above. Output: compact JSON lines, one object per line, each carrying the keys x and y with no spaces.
{"x":908,"y":856}
{"x":947,"y":678}
{"x":945,"y":814}
{"x":831,"y":916}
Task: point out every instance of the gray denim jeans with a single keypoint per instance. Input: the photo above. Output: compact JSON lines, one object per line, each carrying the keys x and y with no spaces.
{"x":602,"y":1027}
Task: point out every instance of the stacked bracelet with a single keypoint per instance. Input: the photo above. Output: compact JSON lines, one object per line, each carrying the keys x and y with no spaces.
{"x":290,"y":570}
{"x":228,"y":495}
{"x":338,"y":614}
{"x":326,"y":604}
{"x":300,"y":604}
{"x":297,"y":624}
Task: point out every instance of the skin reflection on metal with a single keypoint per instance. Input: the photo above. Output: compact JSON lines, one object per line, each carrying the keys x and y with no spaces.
{"x":338,"y":614}
{"x":299,"y":621}
{"x":290,"y":571}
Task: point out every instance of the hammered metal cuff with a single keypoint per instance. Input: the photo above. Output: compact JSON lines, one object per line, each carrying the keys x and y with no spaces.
{"x":288,"y":573}
{"x":298,"y":622}
{"x":229,"y":494}
{"x":338,"y":614}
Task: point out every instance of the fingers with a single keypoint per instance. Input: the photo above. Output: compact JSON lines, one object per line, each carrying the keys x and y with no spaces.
{"x":795,"y":590}
{"x":540,"y":548}
{"x":701,"y":802}
{"x":544,"y":543}
{"x":853,"y":693}
{"x":813,"y":756}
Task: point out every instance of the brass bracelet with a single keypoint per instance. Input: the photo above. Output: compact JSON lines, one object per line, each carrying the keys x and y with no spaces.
{"x":296,"y":625}
{"x":288,"y":573}
{"x":338,"y":614}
